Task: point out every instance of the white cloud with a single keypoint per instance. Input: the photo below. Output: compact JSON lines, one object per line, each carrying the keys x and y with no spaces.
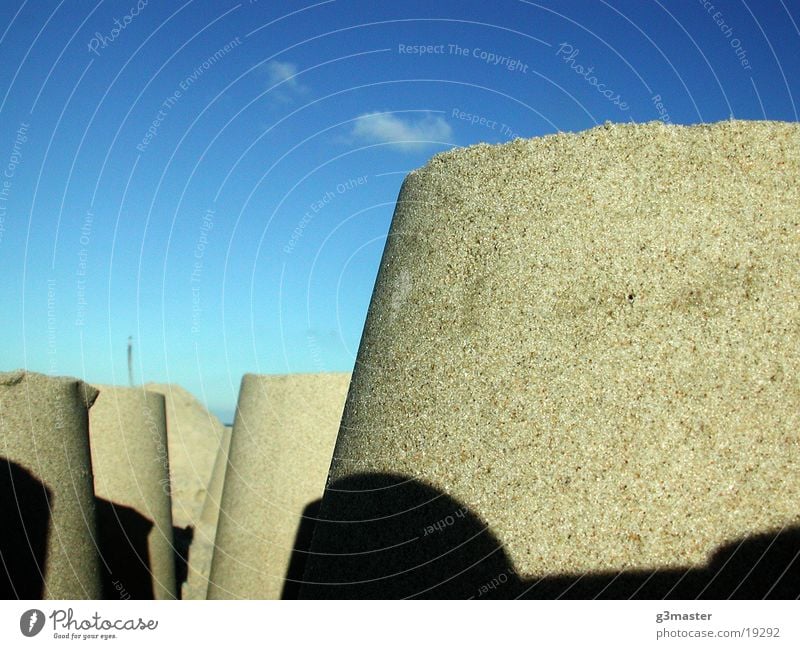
{"x":284,"y":73}
{"x":408,"y":133}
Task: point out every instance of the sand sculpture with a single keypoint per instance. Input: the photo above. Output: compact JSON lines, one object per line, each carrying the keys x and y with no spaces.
{"x":202,"y":551}
{"x":48,"y":543}
{"x":580,"y":359}
{"x":280,"y":452}
{"x":194,"y":438}
{"x":128,"y":429}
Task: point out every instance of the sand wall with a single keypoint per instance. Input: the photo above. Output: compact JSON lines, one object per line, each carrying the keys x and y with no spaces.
{"x":128,"y":429}
{"x":48,"y":528}
{"x":280,"y":451}
{"x":581,"y":358}
{"x":194,"y":439}
{"x":202,"y":551}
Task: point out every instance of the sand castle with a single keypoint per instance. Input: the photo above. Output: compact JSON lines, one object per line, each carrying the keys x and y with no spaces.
{"x":112,"y":537}
{"x":202,"y":550}
{"x":580,"y":358}
{"x":48,"y":540}
{"x":195,"y":440}
{"x":128,"y":429}
{"x":280,"y":451}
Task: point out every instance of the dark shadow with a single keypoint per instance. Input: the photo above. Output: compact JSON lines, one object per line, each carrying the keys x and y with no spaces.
{"x":302,"y":546}
{"x":386,"y":537}
{"x":124,"y":555}
{"x":383,"y":536}
{"x":182,"y":542}
{"x":25,"y":510}
{"x":757,"y":567}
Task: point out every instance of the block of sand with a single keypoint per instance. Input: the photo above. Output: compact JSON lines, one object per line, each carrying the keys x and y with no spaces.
{"x":580,"y":359}
{"x":281,"y":446}
{"x":202,"y":550}
{"x":194,"y":439}
{"x":48,"y":539}
{"x":194,"y":436}
{"x":128,"y":429}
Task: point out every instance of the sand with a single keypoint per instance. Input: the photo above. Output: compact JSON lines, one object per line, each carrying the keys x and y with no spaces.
{"x":202,"y":550}
{"x":128,"y":430}
{"x":44,"y":442}
{"x":588,"y":342}
{"x":194,"y":440}
{"x":281,"y":446}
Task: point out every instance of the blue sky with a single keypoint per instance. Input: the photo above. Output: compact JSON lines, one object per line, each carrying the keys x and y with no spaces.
{"x":217,"y":179}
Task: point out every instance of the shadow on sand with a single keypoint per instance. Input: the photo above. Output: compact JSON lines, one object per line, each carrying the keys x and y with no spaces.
{"x":25,"y":510}
{"x":122,"y":535}
{"x":397,"y":538}
{"x":125,"y":556}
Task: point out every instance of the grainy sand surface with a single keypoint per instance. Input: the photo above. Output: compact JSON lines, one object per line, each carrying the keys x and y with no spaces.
{"x":44,"y":430}
{"x":128,"y":431}
{"x":194,"y":440}
{"x":280,"y":452}
{"x":202,"y":551}
{"x":592,"y":342}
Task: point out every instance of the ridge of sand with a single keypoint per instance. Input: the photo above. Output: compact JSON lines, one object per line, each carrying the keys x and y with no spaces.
{"x":205,"y":534}
{"x":49,"y":538}
{"x":194,"y":435}
{"x":128,"y":437}
{"x":280,"y":452}
{"x":194,"y":438}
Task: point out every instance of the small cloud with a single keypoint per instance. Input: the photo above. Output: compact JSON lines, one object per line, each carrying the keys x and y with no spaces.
{"x":285,"y":74}
{"x":409,"y":133}
{"x":279,"y":71}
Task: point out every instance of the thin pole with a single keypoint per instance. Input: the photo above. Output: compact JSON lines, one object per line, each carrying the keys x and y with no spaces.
{"x":130,"y":360}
